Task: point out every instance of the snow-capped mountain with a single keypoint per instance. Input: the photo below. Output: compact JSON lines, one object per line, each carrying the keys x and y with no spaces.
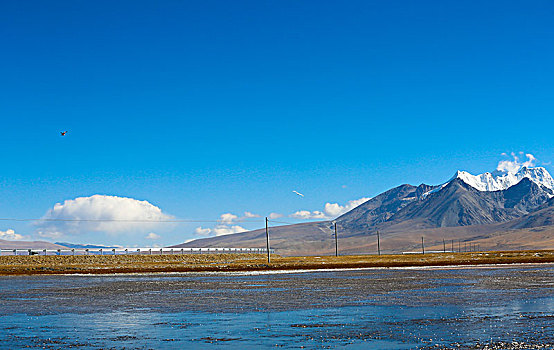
{"x":498,"y":208}
{"x":498,"y":181}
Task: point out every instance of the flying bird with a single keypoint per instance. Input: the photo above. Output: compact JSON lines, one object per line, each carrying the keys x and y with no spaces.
{"x":298,"y":193}
{"x":63,"y":133}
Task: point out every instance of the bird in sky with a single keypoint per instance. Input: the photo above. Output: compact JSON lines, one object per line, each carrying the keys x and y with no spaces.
{"x":63,"y":133}
{"x":298,"y":193}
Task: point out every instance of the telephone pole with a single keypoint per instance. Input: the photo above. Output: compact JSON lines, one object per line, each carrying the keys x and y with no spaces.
{"x":378,"y":244}
{"x":267,"y":241}
{"x":336,"y":240}
{"x":422,"y":246}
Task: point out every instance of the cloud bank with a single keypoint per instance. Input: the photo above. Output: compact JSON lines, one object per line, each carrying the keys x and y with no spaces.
{"x":330,"y":210}
{"x":109,"y":214}
{"x":10,"y":235}
{"x":227,"y":224}
{"x":513,"y":165}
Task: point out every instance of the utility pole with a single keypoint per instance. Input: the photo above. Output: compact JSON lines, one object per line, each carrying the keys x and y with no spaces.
{"x":452,"y":245}
{"x":267,"y":241}
{"x":422,"y":246}
{"x":459,"y":246}
{"x":336,"y":240}
{"x":443,"y":246}
{"x":378,"y":244}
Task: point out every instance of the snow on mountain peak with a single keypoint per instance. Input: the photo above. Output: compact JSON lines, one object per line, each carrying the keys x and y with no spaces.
{"x":501,"y":180}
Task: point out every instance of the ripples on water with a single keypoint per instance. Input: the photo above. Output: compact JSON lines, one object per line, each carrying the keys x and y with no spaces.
{"x":369,"y":309}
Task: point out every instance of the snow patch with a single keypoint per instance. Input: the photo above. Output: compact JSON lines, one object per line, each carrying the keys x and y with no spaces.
{"x":501,"y":180}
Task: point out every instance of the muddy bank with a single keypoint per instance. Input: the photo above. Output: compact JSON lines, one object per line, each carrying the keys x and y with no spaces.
{"x":94,"y":264}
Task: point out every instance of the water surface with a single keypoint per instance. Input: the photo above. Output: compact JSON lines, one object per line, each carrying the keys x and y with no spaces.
{"x":369,"y":309}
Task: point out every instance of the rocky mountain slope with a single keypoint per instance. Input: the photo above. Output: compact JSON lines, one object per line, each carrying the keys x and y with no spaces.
{"x":517,"y":206}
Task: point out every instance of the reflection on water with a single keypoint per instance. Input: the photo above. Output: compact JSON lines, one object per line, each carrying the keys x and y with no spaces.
{"x":369,"y":309}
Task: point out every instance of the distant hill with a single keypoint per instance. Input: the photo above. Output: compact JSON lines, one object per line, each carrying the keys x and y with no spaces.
{"x":4,"y":244}
{"x":494,"y":210}
{"x":84,"y":246}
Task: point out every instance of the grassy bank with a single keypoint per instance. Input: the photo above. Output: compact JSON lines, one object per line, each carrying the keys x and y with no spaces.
{"x":22,"y":265}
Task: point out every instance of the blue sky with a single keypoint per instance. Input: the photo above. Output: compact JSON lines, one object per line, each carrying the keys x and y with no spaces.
{"x":212,"y":107}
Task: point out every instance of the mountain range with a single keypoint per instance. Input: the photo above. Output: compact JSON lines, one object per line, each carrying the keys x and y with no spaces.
{"x":499,"y":210}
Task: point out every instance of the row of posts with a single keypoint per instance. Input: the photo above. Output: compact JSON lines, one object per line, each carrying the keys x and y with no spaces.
{"x":468,"y":246}
{"x":471,"y":248}
{"x":150,"y":251}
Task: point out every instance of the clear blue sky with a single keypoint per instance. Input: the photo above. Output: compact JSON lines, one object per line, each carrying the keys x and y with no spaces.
{"x":211,"y":107}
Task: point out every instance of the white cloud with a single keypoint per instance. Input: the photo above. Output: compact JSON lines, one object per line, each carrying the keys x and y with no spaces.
{"x":228,"y":218}
{"x":335,"y":209}
{"x":100,"y":213}
{"x":306,"y":215}
{"x":227,"y":224}
{"x":330,"y":210}
{"x":10,"y":235}
{"x":202,"y":231}
{"x":221,"y":230}
{"x":512,"y":166}
{"x":152,"y":235}
{"x":275,"y":216}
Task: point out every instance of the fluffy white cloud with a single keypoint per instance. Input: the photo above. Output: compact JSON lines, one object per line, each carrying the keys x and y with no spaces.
{"x":152,"y":235}
{"x":513,"y":165}
{"x":202,"y":231}
{"x":275,"y":216}
{"x":100,"y":213}
{"x":306,"y":215}
{"x":330,"y":210}
{"x":221,"y":230}
{"x":227,"y":224}
{"x":335,"y":209}
{"x":10,"y":235}
{"x":228,"y":218}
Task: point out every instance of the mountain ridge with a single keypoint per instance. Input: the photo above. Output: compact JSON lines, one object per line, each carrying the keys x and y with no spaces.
{"x":403,"y":212}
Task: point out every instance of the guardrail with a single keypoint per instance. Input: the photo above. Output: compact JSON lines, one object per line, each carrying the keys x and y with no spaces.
{"x":133,"y":251}
{"x":430,"y":252}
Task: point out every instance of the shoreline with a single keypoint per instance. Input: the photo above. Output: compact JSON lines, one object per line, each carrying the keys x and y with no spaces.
{"x":136,"y":264}
{"x":290,"y":271}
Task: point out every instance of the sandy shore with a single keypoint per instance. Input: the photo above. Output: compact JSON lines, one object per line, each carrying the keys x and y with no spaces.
{"x":20,"y":265}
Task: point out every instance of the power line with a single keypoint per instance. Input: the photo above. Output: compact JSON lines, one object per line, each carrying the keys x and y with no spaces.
{"x":152,"y":221}
{"x":292,"y":223}
{"x":130,"y":220}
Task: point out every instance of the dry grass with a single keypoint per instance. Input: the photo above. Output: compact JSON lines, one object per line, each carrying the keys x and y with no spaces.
{"x":18,"y":265}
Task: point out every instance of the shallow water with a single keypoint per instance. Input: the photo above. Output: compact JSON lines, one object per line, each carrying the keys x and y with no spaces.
{"x":369,"y":309}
